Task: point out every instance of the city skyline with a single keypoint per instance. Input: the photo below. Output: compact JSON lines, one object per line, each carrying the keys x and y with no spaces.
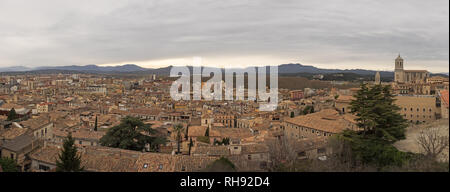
{"x":331,"y":34}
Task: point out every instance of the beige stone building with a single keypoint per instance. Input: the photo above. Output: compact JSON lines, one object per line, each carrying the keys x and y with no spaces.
{"x":444,"y":103}
{"x":408,"y":76}
{"x":324,"y":123}
{"x":418,"y":108}
{"x":342,"y":103}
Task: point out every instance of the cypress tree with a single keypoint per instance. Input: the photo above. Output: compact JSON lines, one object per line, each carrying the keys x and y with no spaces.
{"x":69,"y":160}
{"x":96,"y":122}
{"x":191,"y":144}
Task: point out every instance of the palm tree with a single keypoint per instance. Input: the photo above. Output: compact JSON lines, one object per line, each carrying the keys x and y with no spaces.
{"x":178,"y":129}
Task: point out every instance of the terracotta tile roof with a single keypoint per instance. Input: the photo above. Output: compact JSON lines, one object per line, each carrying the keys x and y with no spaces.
{"x":103,"y":159}
{"x":211,"y":150}
{"x":444,"y":98}
{"x":255,"y":148}
{"x":345,"y":98}
{"x":48,"y":154}
{"x":327,"y":120}
{"x":234,"y":132}
{"x":18,"y":143}
{"x":36,"y":123}
{"x":12,"y":133}
{"x":192,"y":164}
{"x":145,"y":111}
{"x":153,"y":162}
{"x":197,"y":131}
{"x":81,"y":134}
{"x":98,"y":159}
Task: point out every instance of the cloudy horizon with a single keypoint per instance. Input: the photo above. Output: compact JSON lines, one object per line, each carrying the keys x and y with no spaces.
{"x":338,"y":34}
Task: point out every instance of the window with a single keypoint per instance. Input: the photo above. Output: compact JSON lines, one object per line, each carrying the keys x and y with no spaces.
{"x":80,"y":142}
{"x":160,"y":166}
{"x":249,"y":157}
{"x":12,"y":156}
{"x":302,"y":154}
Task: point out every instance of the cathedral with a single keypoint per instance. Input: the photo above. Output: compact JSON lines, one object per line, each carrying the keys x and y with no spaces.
{"x":408,"y":76}
{"x":416,"y":82}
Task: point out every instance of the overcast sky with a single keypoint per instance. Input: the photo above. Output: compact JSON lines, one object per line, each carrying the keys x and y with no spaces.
{"x":153,"y":33}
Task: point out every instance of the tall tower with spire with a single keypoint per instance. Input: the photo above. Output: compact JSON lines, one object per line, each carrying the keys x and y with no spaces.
{"x":399,"y":73}
{"x":377,"y":78}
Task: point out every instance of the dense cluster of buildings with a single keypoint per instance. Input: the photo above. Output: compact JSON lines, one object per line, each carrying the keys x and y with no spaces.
{"x":48,"y":107}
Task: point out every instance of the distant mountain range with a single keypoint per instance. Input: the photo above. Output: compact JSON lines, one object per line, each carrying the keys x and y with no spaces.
{"x":284,"y":69}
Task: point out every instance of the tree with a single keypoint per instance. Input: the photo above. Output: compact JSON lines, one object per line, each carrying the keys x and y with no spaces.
{"x":221,"y":165}
{"x":8,"y":165}
{"x":191,"y":144}
{"x":207,"y":132}
{"x":96,"y":123}
{"x":69,"y":160}
{"x":226,"y":141}
{"x":377,"y":114}
{"x":432,"y":142}
{"x":131,"y":134}
{"x":308,"y":109}
{"x":381,"y":125}
{"x":12,"y":115}
{"x":283,"y":153}
{"x":178,"y":129}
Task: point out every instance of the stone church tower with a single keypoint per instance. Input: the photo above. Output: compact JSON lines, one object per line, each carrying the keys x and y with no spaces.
{"x":377,"y":78}
{"x":399,"y":73}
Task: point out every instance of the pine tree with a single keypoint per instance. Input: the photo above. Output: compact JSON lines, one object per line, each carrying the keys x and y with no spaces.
{"x":377,"y":114}
{"x":12,"y":115}
{"x":69,"y":160}
{"x":131,"y":134}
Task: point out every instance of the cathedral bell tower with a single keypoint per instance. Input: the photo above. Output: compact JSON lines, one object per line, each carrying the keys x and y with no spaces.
{"x":399,"y":76}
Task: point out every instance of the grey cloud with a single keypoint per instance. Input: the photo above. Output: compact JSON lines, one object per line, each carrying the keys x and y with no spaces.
{"x":323,"y":31}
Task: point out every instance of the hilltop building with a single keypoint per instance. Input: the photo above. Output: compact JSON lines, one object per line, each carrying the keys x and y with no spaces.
{"x":408,"y":76}
{"x":416,"y":82}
